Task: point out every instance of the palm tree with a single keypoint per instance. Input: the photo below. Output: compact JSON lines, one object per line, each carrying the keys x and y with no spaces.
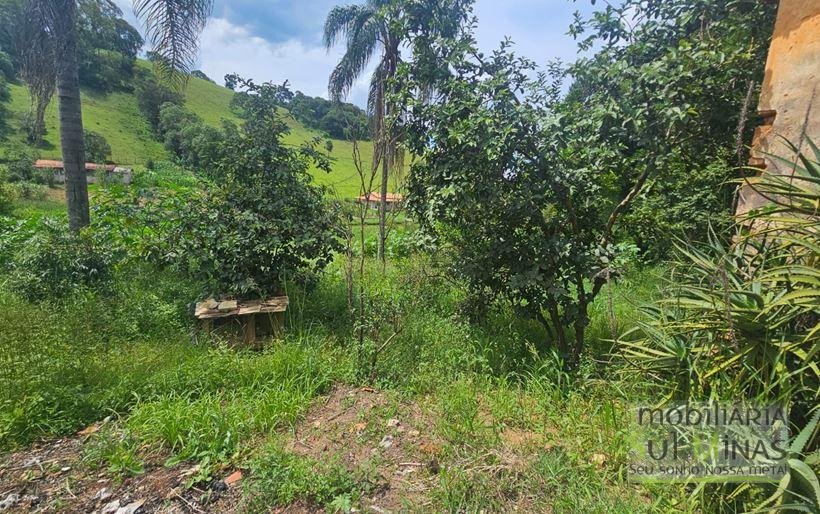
{"x":367,"y":28}
{"x":172,"y":28}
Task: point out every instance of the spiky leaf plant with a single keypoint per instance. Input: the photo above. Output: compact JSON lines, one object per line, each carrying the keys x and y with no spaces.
{"x":742,"y":321}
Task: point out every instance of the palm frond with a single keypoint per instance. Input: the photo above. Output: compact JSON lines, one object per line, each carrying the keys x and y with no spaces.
{"x":360,"y":50}
{"x":339,"y":21}
{"x":172,"y":29}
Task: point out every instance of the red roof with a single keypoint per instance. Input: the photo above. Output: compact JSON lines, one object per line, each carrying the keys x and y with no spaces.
{"x":58,"y":165}
{"x":377,"y":197}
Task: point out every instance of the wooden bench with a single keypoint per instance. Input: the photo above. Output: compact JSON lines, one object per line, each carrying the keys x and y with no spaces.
{"x":254,"y":317}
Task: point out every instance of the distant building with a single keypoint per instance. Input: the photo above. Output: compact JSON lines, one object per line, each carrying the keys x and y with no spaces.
{"x":112,"y":171}
{"x":373,"y":200}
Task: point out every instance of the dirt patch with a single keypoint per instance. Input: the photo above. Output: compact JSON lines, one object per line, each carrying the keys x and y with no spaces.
{"x":51,"y":477}
{"x":373,"y":434}
{"x":368,"y":431}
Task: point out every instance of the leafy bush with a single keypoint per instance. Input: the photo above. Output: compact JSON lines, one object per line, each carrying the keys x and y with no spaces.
{"x":250,"y":238}
{"x":194,"y":143}
{"x":52,"y":262}
{"x":29,"y":191}
{"x":8,"y":194}
{"x":97,"y":148}
{"x":201,"y":75}
{"x":259,"y":224}
{"x":20,"y":163}
{"x":339,"y":120}
{"x":151,"y":96}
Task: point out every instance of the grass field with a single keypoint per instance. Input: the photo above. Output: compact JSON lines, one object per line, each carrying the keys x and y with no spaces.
{"x":117,"y":117}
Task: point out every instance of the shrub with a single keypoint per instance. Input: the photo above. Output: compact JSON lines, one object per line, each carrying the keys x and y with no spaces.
{"x":29,"y":191}
{"x":52,"y":262}
{"x":201,"y":75}
{"x":97,"y":148}
{"x":249,"y":238}
{"x":20,"y":163}
{"x":151,"y":96}
{"x":8,"y":194}
{"x":262,"y":222}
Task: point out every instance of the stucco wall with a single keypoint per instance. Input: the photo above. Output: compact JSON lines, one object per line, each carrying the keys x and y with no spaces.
{"x":790,"y":95}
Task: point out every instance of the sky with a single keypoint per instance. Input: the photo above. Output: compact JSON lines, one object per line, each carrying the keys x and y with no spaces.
{"x":275,"y":40}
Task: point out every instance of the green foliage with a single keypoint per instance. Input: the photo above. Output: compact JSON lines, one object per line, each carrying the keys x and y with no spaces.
{"x":193,"y":142}
{"x":280,"y":478}
{"x":151,"y":96}
{"x":339,"y":120}
{"x":107,"y":46}
{"x":20,"y":163}
{"x":6,"y":73}
{"x":665,"y":94}
{"x":29,"y":191}
{"x":6,"y":66}
{"x":97,"y":148}
{"x":52,"y":262}
{"x":519,"y":216}
{"x":260,"y":223}
{"x":742,"y":321}
{"x":201,"y":75}
{"x":8,"y":195}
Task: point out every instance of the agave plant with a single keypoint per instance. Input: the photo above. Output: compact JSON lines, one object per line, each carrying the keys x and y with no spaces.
{"x":742,"y":320}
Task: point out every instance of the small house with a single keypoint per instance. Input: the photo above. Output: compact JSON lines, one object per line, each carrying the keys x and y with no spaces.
{"x":373,"y":200}
{"x":111,"y":172}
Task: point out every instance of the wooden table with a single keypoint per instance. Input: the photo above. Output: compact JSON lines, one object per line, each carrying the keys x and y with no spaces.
{"x":247,"y":312}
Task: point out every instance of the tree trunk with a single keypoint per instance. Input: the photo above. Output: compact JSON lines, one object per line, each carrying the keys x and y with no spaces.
{"x":71,"y":121}
{"x":383,"y":200}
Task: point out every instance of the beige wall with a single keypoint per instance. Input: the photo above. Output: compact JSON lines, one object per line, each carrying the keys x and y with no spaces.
{"x":790,"y":94}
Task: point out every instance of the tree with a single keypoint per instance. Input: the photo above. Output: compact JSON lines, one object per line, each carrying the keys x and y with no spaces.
{"x":368,"y":27}
{"x":667,"y":91}
{"x":97,"y":148}
{"x":151,"y":96}
{"x":172,"y":28}
{"x":259,"y":222}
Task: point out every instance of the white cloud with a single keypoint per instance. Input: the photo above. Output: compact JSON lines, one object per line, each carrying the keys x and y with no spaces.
{"x":538,"y":28}
{"x":228,"y":48}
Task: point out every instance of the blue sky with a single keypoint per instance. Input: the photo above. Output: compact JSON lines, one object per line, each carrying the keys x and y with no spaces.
{"x":281,"y":39}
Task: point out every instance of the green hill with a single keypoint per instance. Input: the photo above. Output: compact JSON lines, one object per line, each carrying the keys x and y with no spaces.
{"x":117,"y":117}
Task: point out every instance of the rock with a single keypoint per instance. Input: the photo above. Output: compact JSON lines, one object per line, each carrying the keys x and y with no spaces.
{"x":110,"y":507}
{"x":10,"y":501}
{"x":32,"y":462}
{"x":218,"y":486}
{"x":386,"y":442}
{"x":392,"y":423}
{"x":103,"y":494}
{"x":233,"y":478}
{"x":65,"y":468}
{"x":131,"y":508}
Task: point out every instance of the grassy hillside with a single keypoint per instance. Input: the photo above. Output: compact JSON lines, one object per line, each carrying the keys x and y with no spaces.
{"x":117,"y":117}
